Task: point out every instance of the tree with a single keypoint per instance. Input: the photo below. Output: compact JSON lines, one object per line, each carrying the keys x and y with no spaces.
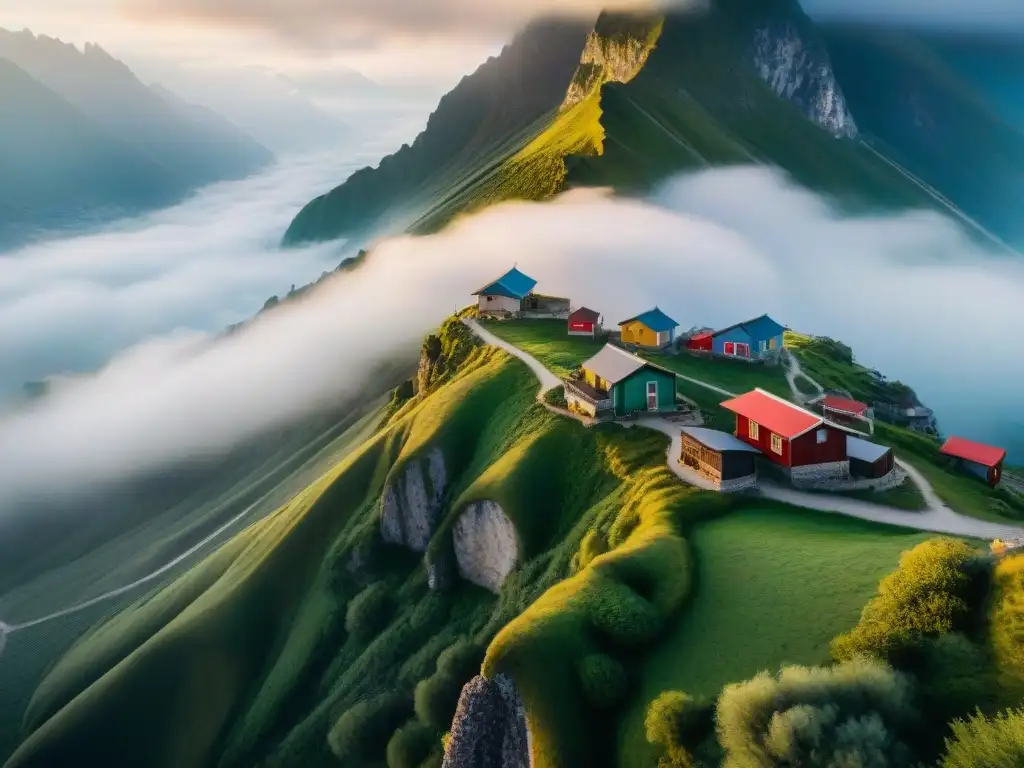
{"x":982,"y":742}
{"x":860,"y":713}
{"x":677,"y":723}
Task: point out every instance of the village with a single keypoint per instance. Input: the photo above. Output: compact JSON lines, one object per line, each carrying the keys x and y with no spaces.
{"x":821,"y":444}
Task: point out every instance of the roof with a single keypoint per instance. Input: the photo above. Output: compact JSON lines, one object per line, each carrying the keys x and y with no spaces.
{"x":863,"y":450}
{"x":614,"y":365}
{"x":584,"y":315}
{"x":513,"y":284}
{"x":844,"y":404}
{"x":979,"y":453}
{"x":718,"y":441}
{"x":762,"y":327}
{"x":654,"y":319}
{"x":701,"y":336}
{"x":772,"y":412}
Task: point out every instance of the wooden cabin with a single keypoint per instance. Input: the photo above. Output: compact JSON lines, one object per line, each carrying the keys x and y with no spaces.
{"x":585,"y":322}
{"x":867,"y":459}
{"x":616,"y":381}
{"x":652,"y":329}
{"x":729,"y":463}
{"x":978,"y":459}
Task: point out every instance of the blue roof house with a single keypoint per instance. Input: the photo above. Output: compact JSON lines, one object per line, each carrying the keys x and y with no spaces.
{"x":653,"y":329}
{"x":505,"y":295}
{"x":757,"y":339}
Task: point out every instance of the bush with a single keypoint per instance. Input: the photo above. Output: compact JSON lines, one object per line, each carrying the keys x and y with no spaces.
{"x":370,"y":611}
{"x":923,"y":597}
{"x":622,"y":616}
{"x":677,"y":723}
{"x":954,"y":677}
{"x":411,"y":745}
{"x":437,"y":697}
{"x":603,"y":680}
{"x":556,"y":397}
{"x":983,"y":742}
{"x":360,"y":734}
{"x":860,"y":713}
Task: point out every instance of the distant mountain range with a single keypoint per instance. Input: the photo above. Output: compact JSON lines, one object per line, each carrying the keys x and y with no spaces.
{"x":873,"y":117}
{"x":82,"y":140}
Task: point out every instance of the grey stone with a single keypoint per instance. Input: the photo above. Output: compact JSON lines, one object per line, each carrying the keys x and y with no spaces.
{"x":489,"y":729}
{"x":486,"y":545}
{"x":409,"y":509}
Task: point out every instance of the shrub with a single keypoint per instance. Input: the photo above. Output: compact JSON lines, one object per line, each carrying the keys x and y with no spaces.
{"x":410,"y":745}
{"x":370,"y":611}
{"x":860,"y":713}
{"x":360,"y":734}
{"x":954,"y":677}
{"x":924,"y":596}
{"x":437,"y":697}
{"x":982,"y":742}
{"x":556,"y":397}
{"x":603,"y":680}
{"x":593,"y":545}
{"x":622,"y":616}
{"x":677,"y":723}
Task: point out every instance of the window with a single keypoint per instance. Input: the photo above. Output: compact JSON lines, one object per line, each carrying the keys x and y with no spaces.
{"x":742,"y":350}
{"x":763,"y":346}
{"x":752,"y":430}
{"x":773,"y":342}
{"x":777,"y":444}
{"x":490,"y":298}
{"x":822,"y":436}
{"x":730,"y":348}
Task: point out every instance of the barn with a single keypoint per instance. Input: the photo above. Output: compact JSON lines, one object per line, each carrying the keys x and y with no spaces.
{"x":653,"y":329}
{"x":755,"y":339}
{"x":505,"y":295}
{"x":868,"y":460}
{"x":614,"y":380}
{"x":729,"y":463}
{"x":978,"y":459}
{"x":584,"y":322}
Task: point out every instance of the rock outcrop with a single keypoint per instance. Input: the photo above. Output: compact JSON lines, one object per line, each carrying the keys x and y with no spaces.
{"x":799,"y":70}
{"x":412,"y":501}
{"x":615,"y":52}
{"x":489,"y":729}
{"x":486,"y":545}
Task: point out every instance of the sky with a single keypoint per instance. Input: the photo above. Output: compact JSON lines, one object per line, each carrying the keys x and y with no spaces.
{"x":431,"y":44}
{"x":907,"y":292}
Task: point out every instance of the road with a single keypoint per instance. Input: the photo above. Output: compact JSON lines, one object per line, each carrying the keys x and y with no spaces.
{"x":937,"y":518}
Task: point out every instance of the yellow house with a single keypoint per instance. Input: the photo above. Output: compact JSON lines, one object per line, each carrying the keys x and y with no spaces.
{"x":652,"y":329}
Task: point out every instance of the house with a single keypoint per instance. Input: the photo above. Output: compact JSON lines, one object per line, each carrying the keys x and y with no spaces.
{"x":802,"y":444}
{"x":653,"y":329}
{"x":844,"y":410}
{"x":506,"y":294}
{"x":868,"y":460}
{"x":585,"y":322}
{"x":700,"y":342}
{"x":756,"y":339}
{"x":729,"y":463}
{"x":616,"y":381}
{"x":984,"y":461}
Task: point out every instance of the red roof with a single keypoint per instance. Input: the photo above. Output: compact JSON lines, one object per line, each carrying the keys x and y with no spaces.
{"x":844,"y":405}
{"x":701,"y":336}
{"x":584,"y":315}
{"x":783,"y":418}
{"x":979,"y":453}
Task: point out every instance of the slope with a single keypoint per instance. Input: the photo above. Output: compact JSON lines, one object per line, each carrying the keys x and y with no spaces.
{"x":57,"y":166}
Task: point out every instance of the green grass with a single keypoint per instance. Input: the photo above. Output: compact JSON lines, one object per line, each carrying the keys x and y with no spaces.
{"x":773,"y":586}
{"x":904,"y":496}
{"x":731,"y":375}
{"x":548,"y":341}
{"x":709,"y":402}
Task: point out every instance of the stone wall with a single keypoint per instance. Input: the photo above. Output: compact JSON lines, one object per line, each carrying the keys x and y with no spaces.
{"x":412,"y":501}
{"x":486,"y":545}
{"x":820,"y":475}
{"x":489,"y":729}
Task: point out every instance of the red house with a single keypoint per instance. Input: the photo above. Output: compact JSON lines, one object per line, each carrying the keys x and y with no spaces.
{"x":584,"y":322}
{"x":787,"y":434}
{"x":984,"y":461}
{"x":700,"y":342}
{"x":844,"y":407}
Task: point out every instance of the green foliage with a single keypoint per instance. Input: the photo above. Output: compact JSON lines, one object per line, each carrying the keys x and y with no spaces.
{"x":438,"y":696}
{"x":411,"y":745}
{"x":362,"y":732}
{"x":924,"y":597}
{"x":556,"y":397}
{"x":603,"y":680}
{"x":549,"y":342}
{"x":370,"y":611}
{"x":676,"y":723}
{"x":860,"y":713}
{"x":983,"y":742}
{"x":1007,"y":622}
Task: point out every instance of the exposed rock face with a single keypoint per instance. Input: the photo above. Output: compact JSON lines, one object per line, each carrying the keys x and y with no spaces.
{"x":800,"y":71}
{"x":489,"y":729}
{"x":440,"y":569}
{"x":410,"y":506}
{"x":615,"y":52}
{"x":486,"y":546}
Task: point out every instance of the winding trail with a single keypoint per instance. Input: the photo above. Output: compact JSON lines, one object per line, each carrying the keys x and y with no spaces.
{"x":937,"y":518}
{"x":793,"y":371}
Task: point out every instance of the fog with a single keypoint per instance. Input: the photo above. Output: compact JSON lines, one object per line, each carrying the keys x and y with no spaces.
{"x":910,"y":293}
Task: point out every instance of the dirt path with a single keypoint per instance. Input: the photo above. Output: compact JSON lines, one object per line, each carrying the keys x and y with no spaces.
{"x":938,"y":518}
{"x":795,"y":371}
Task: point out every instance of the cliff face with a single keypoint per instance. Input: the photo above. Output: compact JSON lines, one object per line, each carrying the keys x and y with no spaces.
{"x":799,"y":70}
{"x":410,"y":506}
{"x":615,"y":52}
{"x":489,"y":729}
{"x":486,"y":546}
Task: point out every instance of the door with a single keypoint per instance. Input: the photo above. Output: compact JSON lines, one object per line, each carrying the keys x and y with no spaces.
{"x":652,"y":395}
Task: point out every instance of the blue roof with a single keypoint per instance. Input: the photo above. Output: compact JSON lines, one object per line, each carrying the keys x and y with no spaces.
{"x":654,"y":319}
{"x":762,"y":327}
{"x":513,"y":284}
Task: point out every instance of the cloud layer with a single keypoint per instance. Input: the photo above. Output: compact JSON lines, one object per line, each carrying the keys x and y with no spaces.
{"x":909,"y":293}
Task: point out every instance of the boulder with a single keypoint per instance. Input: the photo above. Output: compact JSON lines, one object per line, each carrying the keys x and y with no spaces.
{"x":486,"y":545}
{"x":489,"y":729}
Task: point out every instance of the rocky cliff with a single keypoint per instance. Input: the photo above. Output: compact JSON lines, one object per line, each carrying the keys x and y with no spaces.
{"x":615,"y":52}
{"x":797,"y":67}
{"x":412,"y":501}
{"x":486,"y":545}
{"x":489,"y":729}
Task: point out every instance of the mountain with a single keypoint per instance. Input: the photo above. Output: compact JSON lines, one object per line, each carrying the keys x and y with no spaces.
{"x":190,"y":146}
{"x":58,"y":168}
{"x":743,"y":82}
